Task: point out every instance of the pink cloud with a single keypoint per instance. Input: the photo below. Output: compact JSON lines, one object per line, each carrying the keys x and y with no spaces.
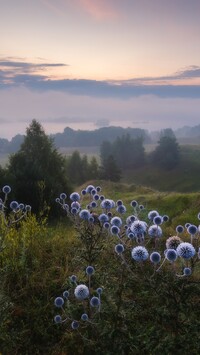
{"x":99,"y":9}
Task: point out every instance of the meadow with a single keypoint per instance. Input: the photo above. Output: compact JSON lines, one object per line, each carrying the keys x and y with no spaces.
{"x":139,"y":310}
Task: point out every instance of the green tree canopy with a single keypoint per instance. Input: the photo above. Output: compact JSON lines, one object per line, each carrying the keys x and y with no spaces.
{"x":167,"y":153}
{"x":37,"y":171}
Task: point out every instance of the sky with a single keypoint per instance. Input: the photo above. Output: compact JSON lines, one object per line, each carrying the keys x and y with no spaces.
{"x":86,"y":64}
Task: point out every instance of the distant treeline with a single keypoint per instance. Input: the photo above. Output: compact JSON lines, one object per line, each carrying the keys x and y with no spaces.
{"x":84,"y":138}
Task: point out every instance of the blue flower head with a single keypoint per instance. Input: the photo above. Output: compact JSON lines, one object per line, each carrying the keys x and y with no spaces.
{"x":89,"y":270}
{"x":99,"y":290}
{"x":179,"y":229}
{"x":119,"y":248}
{"x":93,"y":204}
{"x":187,"y":271}
{"x":155,"y":257}
{"x":121,"y":209}
{"x":76,"y":205}
{"x":75,"y":324}
{"x":165,"y":218}
{"x":116,"y":221}
{"x":187,"y":225}
{"x":152,"y":214}
{"x":134,"y":203}
{"x":74,"y":210}
{"x":6,"y":189}
{"x":73,"y":278}
{"x":89,"y":188}
{"x":158,"y":220}
{"x":131,"y":219}
{"x":138,"y":228}
{"x":171,"y":255}
{"x":83,"y":192}
{"x":21,"y":206}
{"x":84,"y":317}
{"x":106,"y":225}
{"x":63,"y":196}
{"x":75,"y":196}
{"x":14,"y":205}
{"x":93,"y":192}
{"x":102,"y":197}
{"x":98,"y":188}
{"x":96,"y":197}
{"x":185,"y":250}
{"x":103,"y":218}
{"x":58,"y":318}
{"x":66,"y":294}
{"x":141,"y":207}
{"x":139,"y":253}
{"x":131,"y":235}
{"x":109,"y":214}
{"x":119,"y":203}
{"x":155,"y":231}
{"x":95,"y":301}
{"x":28,"y":208}
{"x":81,"y":292}
{"x":107,"y":204}
{"x":192,"y":229}
{"x":84,"y":214}
{"x":59,"y":302}
{"x":114,"y":230}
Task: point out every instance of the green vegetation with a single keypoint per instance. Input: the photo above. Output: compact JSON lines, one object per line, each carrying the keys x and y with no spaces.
{"x":140,"y":314}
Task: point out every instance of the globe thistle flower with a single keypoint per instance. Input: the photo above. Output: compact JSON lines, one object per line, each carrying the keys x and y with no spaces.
{"x":116,"y":221}
{"x":83,"y":192}
{"x":96,"y":197}
{"x":131,"y":235}
{"x":84,"y":317}
{"x":165,"y":218}
{"x":131,"y":219}
{"x":14,"y":205}
{"x":139,"y":253}
{"x":179,"y":229}
{"x":173,"y":242}
{"x":73,"y":278}
{"x":109,"y":214}
{"x":93,"y":192}
{"x":121,"y":209}
{"x":95,"y":301}
{"x":187,"y":271}
{"x":103,"y":218}
{"x":141,"y":207}
{"x":152,"y":214}
{"x":84,"y":214}
{"x":74,"y":210}
{"x":158,"y":220}
{"x":93,"y":204}
{"x":63,"y":196}
{"x":192,"y":229}
{"x":57,"y":200}
{"x":81,"y":292}
{"x":89,"y":188}
{"x":6,"y":189}
{"x":155,"y":231}
{"x":75,"y":324}
{"x":28,"y":208}
{"x":106,"y":225}
{"x":171,"y":255}
{"x":66,"y":294}
{"x":21,"y":206}
{"x":91,"y":219}
{"x":119,"y":248}
{"x":185,"y":250}
{"x":76,"y":205}
{"x":89,"y":270}
{"x":114,"y":230}
{"x":155,"y":257}
{"x":138,"y":228}
{"x":74,"y":196}
{"x":119,"y":203}
{"x":98,"y":188}
{"x":134,"y":203}
{"x":99,"y":290}
{"x":59,"y":302}
{"x":102,"y":197}
{"x":187,"y":225}
{"x":107,"y":204}
{"x":58,"y":319}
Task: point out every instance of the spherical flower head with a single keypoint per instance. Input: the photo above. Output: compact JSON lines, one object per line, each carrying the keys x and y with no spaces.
{"x":95,"y":301}
{"x":152,"y":214}
{"x":192,"y":229}
{"x":73,"y":278}
{"x":98,"y":188}
{"x":130,"y":219}
{"x":74,"y":196}
{"x":75,"y":324}
{"x":131,"y":235}
{"x":102,"y":197}
{"x":185,"y":250}
{"x":103,"y":218}
{"x":155,"y":231}
{"x":158,"y":220}
{"x":84,"y":317}
{"x":114,"y":230}
{"x":99,"y":290}
{"x":106,"y":225}
{"x":139,"y":253}
{"x":84,"y":214}
{"x":91,"y":219}
{"x":93,"y":204}
{"x":6,"y":189}
{"x":28,"y":208}
{"x":83,"y":192}
{"x":63,"y":196}
{"x":165,"y":218}
{"x":119,"y":203}
{"x":96,"y":197}
{"x":58,"y":319}
{"x":89,"y":188}
{"x":107,"y":204}
{"x":121,"y":209}
{"x":141,"y":207}
{"x":171,"y":255}
{"x":57,"y":200}
{"x":116,"y":221}
{"x":74,"y":210}
{"x":155,"y":257}
{"x":179,"y":229}
{"x":187,"y":225}
{"x":66,"y":294}
{"x":187,"y":271}
{"x":119,"y":248}
{"x":134,"y":203}
{"x":14,"y":205}
{"x":138,"y":228}
{"x":93,"y":192}
{"x":21,"y":206}
{"x":173,"y":242}
{"x":81,"y":292}
{"x":76,"y":205}
{"x":59,"y":302}
{"x":109,"y":214}
{"x":89,"y":270}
